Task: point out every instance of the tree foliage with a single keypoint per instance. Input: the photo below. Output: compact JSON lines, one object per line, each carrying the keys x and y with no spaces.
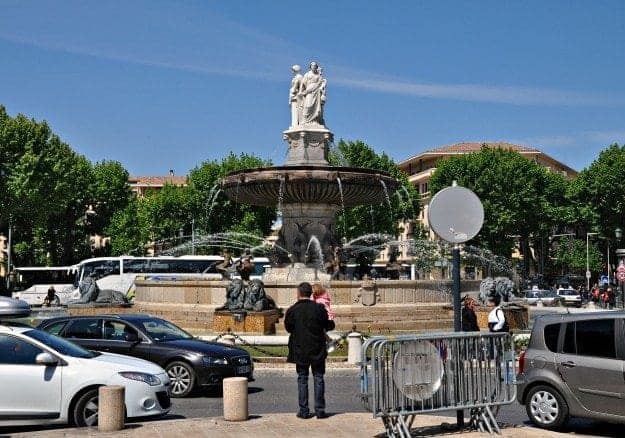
{"x":520,"y":197}
{"x":45,"y":189}
{"x":366,"y":219}
{"x":597,"y":194}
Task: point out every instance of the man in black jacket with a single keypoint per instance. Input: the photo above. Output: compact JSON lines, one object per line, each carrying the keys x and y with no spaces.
{"x":307,"y":323}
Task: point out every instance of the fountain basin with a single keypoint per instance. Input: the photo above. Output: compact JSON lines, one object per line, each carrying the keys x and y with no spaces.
{"x":309,"y":184}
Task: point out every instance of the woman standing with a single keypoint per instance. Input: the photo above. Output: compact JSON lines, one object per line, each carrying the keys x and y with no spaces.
{"x":469,"y":318}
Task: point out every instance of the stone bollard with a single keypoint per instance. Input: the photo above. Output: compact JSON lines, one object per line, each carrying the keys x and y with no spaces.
{"x":227,"y":339}
{"x":354,"y":345}
{"x":235,"y":398}
{"x":111,"y":408}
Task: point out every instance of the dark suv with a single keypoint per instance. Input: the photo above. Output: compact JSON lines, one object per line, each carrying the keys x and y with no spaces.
{"x":574,"y":366}
{"x":190,"y":362}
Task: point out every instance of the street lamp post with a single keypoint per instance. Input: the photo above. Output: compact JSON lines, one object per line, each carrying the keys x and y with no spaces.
{"x":588,"y":261}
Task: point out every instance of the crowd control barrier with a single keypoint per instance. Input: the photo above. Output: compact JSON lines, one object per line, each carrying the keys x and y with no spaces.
{"x":403,"y":376}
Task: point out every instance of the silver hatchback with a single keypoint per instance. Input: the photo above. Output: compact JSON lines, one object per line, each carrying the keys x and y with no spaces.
{"x":574,"y":366}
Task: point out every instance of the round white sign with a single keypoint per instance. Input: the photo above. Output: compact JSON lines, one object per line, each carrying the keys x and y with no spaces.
{"x":456,"y":214}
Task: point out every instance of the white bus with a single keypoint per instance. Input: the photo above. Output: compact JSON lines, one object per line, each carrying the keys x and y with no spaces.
{"x":119,"y":273}
{"x":33,"y":282}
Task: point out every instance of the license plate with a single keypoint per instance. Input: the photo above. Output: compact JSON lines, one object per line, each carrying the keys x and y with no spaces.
{"x":244,"y":370}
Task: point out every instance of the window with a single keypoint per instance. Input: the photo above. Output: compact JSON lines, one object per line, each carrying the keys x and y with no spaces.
{"x":14,"y":351}
{"x":116,"y":331}
{"x":56,"y":328}
{"x":551,"y":336}
{"x":591,"y":338}
{"x":87,"y":328}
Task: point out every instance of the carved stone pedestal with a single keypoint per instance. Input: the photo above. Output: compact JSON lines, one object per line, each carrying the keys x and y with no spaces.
{"x":260,"y":323}
{"x":308,"y":146}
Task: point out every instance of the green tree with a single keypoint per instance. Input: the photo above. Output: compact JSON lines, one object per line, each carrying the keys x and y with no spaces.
{"x":213,"y":211}
{"x":404,"y":203}
{"x":597,"y":193}
{"x":570,"y":257}
{"x":520,"y":197}
{"x":42,"y":181}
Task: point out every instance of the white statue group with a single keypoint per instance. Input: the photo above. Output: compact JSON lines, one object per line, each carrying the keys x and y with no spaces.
{"x":307,"y":96}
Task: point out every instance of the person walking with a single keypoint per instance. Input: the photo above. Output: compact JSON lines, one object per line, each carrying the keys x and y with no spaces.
{"x":496,"y":318}
{"x":307,"y":323}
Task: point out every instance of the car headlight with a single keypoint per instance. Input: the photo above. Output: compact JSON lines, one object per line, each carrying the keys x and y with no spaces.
{"x":150,"y":379}
{"x":210,"y":360}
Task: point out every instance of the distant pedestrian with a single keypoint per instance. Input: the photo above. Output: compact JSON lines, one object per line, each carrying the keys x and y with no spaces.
{"x":307,"y":323}
{"x":496,"y":318}
{"x":469,"y":318}
{"x":51,"y":299}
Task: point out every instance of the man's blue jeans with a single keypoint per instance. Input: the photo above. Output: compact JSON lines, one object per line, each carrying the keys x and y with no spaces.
{"x":318,"y":370}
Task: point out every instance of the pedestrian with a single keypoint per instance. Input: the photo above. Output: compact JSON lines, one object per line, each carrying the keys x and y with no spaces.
{"x":51,"y":299}
{"x":469,"y":318}
{"x":307,"y":323}
{"x":606,"y":298}
{"x":496,"y":318}
{"x":611,"y":298}
{"x":596,"y":292}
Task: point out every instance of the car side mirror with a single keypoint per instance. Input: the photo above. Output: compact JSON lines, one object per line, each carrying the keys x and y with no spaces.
{"x":46,"y":359}
{"x":131,"y":337}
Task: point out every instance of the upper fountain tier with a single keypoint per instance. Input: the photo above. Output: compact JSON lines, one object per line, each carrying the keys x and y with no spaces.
{"x":273,"y":186}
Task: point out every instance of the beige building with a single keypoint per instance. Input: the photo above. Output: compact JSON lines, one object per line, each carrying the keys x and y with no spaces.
{"x":142,"y":184}
{"x":420,"y":168}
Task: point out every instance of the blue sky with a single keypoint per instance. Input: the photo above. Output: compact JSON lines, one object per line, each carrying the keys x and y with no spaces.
{"x":163,"y":85}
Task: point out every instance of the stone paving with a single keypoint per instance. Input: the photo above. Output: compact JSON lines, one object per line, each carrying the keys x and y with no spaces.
{"x":340,"y":425}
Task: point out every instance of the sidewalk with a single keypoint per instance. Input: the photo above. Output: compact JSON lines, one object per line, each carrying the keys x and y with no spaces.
{"x":344,"y":425}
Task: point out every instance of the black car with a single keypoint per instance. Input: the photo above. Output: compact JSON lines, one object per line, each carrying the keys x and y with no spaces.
{"x":190,"y":362}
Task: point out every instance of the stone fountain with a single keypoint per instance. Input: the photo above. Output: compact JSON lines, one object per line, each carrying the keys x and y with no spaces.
{"x":308,"y":193}
{"x":307,"y":190}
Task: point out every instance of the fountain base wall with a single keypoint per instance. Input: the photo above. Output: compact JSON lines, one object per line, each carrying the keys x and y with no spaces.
{"x":374,"y":307}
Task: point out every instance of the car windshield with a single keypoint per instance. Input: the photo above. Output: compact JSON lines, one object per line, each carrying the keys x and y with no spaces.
{"x":547,"y":294}
{"x":162,"y":331}
{"x":60,"y":345}
{"x":568,"y":292}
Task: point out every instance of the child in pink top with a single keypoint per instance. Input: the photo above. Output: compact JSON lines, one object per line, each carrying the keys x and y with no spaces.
{"x":320,"y":296}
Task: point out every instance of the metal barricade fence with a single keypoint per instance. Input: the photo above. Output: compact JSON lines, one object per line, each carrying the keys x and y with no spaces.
{"x":406,"y":375}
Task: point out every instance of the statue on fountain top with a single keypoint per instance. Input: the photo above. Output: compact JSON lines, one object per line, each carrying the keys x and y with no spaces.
{"x":295,"y":99}
{"x":312,"y":92}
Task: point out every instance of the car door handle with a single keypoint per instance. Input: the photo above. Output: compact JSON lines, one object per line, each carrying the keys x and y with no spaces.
{"x":568,"y":364}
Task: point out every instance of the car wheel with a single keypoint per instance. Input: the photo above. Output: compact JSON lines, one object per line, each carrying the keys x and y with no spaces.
{"x":86,"y":409}
{"x":182,"y":378}
{"x":546,"y":407}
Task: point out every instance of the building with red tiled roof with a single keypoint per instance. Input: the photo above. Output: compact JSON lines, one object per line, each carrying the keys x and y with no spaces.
{"x":420,"y":167}
{"x":142,"y":184}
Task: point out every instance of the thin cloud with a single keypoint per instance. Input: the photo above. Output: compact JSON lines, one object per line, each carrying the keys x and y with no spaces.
{"x":251,"y":54}
{"x":579,"y":139}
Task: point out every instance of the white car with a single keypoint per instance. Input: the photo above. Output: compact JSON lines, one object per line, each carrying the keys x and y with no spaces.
{"x":571,"y":297}
{"x":45,"y":379}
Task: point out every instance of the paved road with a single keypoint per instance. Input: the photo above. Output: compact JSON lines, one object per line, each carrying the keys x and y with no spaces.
{"x":275,"y":391}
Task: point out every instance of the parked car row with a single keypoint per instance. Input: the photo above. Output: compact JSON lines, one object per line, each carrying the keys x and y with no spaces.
{"x":549,"y":297}
{"x":51,"y":374}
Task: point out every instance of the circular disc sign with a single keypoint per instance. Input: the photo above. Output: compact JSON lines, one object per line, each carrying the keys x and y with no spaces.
{"x":456,"y":214}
